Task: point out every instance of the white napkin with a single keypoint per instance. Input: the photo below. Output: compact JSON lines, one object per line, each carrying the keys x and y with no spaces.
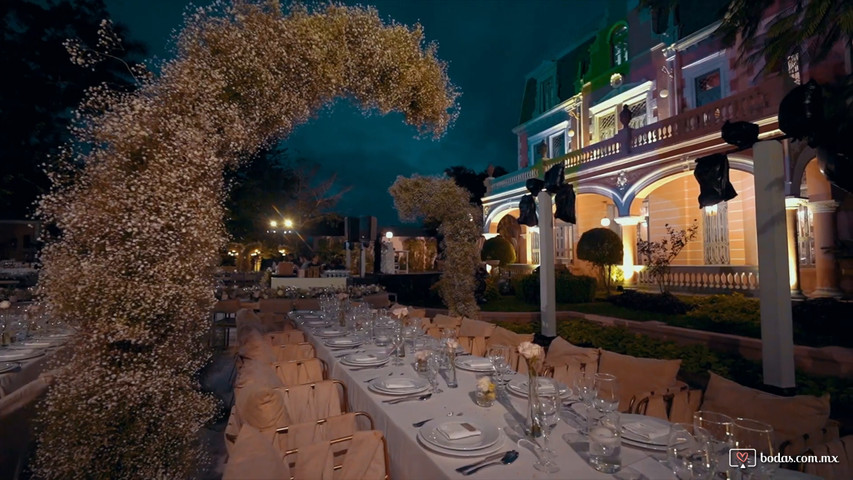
{"x":478,"y":362}
{"x":649,"y":431}
{"x":458,"y":430}
{"x":541,"y":387}
{"x":400,"y":383}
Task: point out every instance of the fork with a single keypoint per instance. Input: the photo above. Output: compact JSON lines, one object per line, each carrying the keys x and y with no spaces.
{"x":421,"y":423}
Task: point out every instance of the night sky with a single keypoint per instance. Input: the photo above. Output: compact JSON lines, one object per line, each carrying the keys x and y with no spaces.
{"x":490,"y":46}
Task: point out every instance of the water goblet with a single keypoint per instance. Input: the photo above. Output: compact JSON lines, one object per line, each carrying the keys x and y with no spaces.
{"x":398,"y":339}
{"x":547,"y":411}
{"x":433,"y":367}
{"x":719,"y":427}
{"x":606,"y":397}
{"x":752,"y":434}
{"x":689,"y":452}
{"x":497,"y":355}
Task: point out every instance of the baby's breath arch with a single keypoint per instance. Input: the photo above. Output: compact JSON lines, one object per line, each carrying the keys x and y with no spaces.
{"x":441,"y":199}
{"x":139,"y":199}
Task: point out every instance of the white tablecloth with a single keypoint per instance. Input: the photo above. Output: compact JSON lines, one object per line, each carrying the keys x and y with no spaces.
{"x":411,"y":461}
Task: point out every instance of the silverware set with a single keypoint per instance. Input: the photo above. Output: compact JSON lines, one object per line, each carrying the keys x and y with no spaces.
{"x":395,"y":401}
{"x":502,"y":459}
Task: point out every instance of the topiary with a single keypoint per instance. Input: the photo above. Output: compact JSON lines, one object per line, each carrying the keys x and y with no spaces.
{"x":498,"y":248}
{"x":603,"y":248}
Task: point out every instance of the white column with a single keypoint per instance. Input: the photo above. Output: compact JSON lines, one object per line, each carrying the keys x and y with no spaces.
{"x":792,"y":206}
{"x":547,"y":293}
{"x":826,"y":273}
{"x":629,"y":245}
{"x":777,"y":335}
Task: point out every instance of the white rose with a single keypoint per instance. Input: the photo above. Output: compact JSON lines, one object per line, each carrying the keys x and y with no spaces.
{"x":399,"y":311}
{"x":484,"y":384}
{"x":342,"y":296}
{"x":5,"y":304}
{"x":422,"y":355}
{"x":530,"y":350}
{"x":451,"y":344}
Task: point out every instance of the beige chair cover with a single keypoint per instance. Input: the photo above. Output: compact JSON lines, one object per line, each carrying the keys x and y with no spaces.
{"x":286,"y":337}
{"x":254,"y":457}
{"x":247,"y":321}
{"x":568,"y":361}
{"x":638,"y":376}
{"x":378,"y":300}
{"x":306,"y":304}
{"x":310,"y":402}
{"x":293,"y":351}
{"x":297,"y":372}
{"x":502,"y":336}
{"x":227,"y":307}
{"x":256,"y":372}
{"x":255,"y":347}
{"x":261,"y":407}
{"x":232,"y":430}
{"x":275,"y":322}
{"x":417,"y":312}
{"x":473,"y":345}
{"x":364,"y":459}
{"x":475,"y":328}
{"x":445,"y":321}
{"x":302,"y":434}
{"x":842,"y":450}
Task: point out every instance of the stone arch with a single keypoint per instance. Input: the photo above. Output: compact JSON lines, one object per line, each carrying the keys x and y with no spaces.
{"x":802,"y":158}
{"x":142,"y":219}
{"x":496,"y":213}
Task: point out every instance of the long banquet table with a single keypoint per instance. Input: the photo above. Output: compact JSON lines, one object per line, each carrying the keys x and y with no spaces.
{"x":411,"y":461}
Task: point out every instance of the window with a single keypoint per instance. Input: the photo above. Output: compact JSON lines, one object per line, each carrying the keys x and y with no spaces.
{"x":708,"y":87}
{"x":547,"y":97}
{"x":639,"y":112}
{"x":557,"y":145}
{"x":619,"y":45}
{"x":794,"y":67}
{"x":805,"y":235}
{"x":715,"y":220}
{"x":534,"y":246}
{"x":606,"y":126}
{"x":563,"y":241}
{"x":538,"y":151}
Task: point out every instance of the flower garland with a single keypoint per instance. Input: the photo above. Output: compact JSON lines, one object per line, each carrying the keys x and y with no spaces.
{"x":138,"y":197}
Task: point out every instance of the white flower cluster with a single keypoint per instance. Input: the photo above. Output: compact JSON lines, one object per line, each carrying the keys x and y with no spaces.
{"x":441,"y":199}
{"x":531,"y":351}
{"x":138,"y":196}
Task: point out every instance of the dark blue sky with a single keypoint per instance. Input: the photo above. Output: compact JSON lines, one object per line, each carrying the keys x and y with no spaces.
{"x":490,"y":45}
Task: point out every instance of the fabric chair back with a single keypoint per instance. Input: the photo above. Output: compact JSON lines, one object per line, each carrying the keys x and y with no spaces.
{"x":286,"y":337}
{"x":365,"y":458}
{"x":285,"y":269}
{"x":312,"y":401}
{"x":275,"y":305}
{"x":293,"y":351}
{"x":305,"y":433}
{"x":298,"y":372}
{"x":842,"y":450}
{"x":254,"y":456}
{"x":638,"y":376}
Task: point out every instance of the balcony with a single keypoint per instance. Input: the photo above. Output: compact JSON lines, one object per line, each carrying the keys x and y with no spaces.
{"x":706,"y":279}
{"x":758,"y":102}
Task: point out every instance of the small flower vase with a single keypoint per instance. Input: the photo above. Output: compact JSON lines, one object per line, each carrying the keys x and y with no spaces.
{"x":421,"y":366}
{"x":451,"y":368}
{"x":533,"y":429}
{"x":485,"y":399}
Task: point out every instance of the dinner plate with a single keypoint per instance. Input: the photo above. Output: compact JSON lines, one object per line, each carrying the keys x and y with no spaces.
{"x":15,"y":355}
{"x":342,"y":342}
{"x":651,"y":421}
{"x":519,"y":387}
{"x":8,"y":367}
{"x":385,"y":385}
{"x":646,"y":446}
{"x":330,"y":332}
{"x":501,"y":445}
{"x":366,"y":359}
{"x":489,"y":435}
{"x":318,"y":322}
{"x":35,"y":344}
{"x":474,"y":364}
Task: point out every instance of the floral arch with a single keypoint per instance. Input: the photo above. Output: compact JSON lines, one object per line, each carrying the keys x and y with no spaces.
{"x":139,"y":196}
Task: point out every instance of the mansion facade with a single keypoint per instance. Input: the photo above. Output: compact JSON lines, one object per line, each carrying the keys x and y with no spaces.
{"x":628,"y":109}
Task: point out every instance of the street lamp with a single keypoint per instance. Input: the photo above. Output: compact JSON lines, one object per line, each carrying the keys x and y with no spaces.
{"x":288,"y":223}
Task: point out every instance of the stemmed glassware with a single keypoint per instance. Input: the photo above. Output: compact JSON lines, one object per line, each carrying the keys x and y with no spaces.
{"x":497,"y":355}
{"x":606,"y":388}
{"x":547,"y":411}
{"x":689,"y":452}
{"x":756,"y":435}
{"x":433,"y":367}
{"x":719,"y":427}
{"x":398,"y":338}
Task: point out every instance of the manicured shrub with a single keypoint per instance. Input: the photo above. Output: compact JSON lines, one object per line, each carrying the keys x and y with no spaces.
{"x":498,"y":248}
{"x":729,"y":313}
{"x":603,"y":248}
{"x":568,"y":288}
{"x":665,"y":303}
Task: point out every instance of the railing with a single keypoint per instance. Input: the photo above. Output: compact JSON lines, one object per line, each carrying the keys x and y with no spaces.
{"x":757,"y":102}
{"x":706,"y":279}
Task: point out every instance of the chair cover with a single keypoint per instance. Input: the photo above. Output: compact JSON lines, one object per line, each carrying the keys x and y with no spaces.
{"x":275,"y":305}
{"x":842,"y":449}
{"x":637,"y":376}
{"x":364,"y":459}
{"x":310,"y":402}
{"x":254,"y":457}
{"x":297,"y":372}
{"x":286,"y":337}
{"x":502,"y":336}
{"x":475,"y":328}
{"x":568,"y":360}
{"x":256,"y":347}
{"x":261,"y":407}
{"x":293,"y":351}
{"x":445,"y":321}
{"x":301,"y":434}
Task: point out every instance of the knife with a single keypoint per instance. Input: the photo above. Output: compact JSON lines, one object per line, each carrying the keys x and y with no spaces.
{"x":490,"y":458}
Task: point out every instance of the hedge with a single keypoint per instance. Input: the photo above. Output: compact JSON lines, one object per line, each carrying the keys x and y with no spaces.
{"x":568,"y":288}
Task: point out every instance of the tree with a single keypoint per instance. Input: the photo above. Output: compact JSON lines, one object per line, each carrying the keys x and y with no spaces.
{"x":603,"y":248}
{"x":659,"y":255}
{"x":42,"y":87}
{"x":498,"y":248}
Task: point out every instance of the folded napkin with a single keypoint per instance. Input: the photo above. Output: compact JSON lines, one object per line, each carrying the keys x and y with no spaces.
{"x":458,"y":430}
{"x":649,"y":431}
{"x":37,"y":344}
{"x":16,"y":353}
{"x":478,"y":362}
{"x":541,"y":387}
{"x":401,"y":383}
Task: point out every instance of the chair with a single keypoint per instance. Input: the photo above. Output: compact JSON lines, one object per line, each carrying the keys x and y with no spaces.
{"x":314,"y":272}
{"x":298,"y":372}
{"x":442,"y":322}
{"x":566,"y":362}
{"x":305,"y":433}
{"x":842,"y":451}
{"x":365,"y":457}
{"x":222,"y":319}
{"x":293,"y":351}
{"x":253,"y":455}
{"x":286,"y":337}
{"x":255,"y":347}
{"x":502,"y":336}
{"x":313,"y":401}
{"x":638,"y":376}
{"x":275,"y":305}
{"x":378,"y":300}
{"x":286,"y":269}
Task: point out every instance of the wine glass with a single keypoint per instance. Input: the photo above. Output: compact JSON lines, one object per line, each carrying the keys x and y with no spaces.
{"x":606,"y":388}
{"x":689,"y":452}
{"x":433,"y":367}
{"x":719,"y":426}
{"x":398,"y":338}
{"x":756,"y":435}
{"x":547,"y":411}
{"x":497,"y":355}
